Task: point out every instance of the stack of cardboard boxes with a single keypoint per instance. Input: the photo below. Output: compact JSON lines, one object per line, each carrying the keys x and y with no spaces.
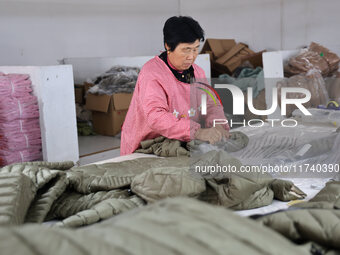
{"x":226,"y":55}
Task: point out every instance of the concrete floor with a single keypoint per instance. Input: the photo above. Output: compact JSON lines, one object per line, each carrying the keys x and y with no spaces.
{"x":97,"y":148}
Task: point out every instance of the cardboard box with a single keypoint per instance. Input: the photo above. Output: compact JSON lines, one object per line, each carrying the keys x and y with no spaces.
{"x":217,"y":47}
{"x":79,"y":94}
{"x":233,"y":58}
{"x":255,"y":59}
{"x":226,"y":55}
{"x":108,"y":112}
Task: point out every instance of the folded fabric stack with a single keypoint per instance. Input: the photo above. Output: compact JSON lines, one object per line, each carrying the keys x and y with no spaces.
{"x":20,"y":137}
{"x":14,"y":85}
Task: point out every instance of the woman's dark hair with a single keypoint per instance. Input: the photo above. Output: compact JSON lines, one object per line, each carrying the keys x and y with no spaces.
{"x":181,"y":29}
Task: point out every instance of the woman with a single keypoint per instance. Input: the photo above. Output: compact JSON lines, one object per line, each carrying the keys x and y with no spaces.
{"x":164,"y":102}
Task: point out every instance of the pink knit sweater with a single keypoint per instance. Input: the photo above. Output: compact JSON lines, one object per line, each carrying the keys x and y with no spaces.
{"x":163,"y":106}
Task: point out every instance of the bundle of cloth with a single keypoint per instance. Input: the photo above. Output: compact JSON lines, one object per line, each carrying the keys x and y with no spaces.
{"x":14,"y":85}
{"x":314,"y":57}
{"x":20,"y":125}
{"x":24,"y":107}
{"x":119,"y":79}
{"x":8,"y":156}
{"x":19,"y":120}
{"x":20,"y":140}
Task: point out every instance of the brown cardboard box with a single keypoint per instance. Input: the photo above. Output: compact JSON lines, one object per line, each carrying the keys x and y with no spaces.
{"x":233,"y":58}
{"x":79,"y":94}
{"x":226,"y":55}
{"x":217,"y":47}
{"x":108,"y":112}
{"x":255,"y":59}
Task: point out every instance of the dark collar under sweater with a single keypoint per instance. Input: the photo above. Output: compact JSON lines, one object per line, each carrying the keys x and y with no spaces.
{"x":185,"y":76}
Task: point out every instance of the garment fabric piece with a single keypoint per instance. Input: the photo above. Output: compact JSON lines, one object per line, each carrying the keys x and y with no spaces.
{"x":198,"y":176}
{"x":163,"y":147}
{"x":172,"y":226}
{"x":20,"y":193}
{"x":316,"y":220}
{"x":163,"y":106}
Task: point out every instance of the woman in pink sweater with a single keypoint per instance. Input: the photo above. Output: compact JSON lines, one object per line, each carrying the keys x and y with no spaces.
{"x":166,"y":101}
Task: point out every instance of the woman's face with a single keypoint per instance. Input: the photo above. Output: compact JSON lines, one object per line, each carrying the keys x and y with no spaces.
{"x":184,"y":55}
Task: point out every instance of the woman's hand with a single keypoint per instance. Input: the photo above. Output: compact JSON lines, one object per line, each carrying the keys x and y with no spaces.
{"x":224,"y":132}
{"x":211,"y":135}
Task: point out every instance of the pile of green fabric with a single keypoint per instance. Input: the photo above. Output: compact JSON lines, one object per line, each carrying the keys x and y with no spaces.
{"x":164,"y":147}
{"x":174,"y":222}
{"x":84,"y":195}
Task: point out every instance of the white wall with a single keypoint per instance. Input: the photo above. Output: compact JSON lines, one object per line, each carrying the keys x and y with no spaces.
{"x":255,"y":22}
{"x":311,"y":20}
{"x":39,"y":32}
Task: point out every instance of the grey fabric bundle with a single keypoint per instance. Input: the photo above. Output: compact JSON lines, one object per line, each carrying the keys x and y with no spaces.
{"x":119,"y":79}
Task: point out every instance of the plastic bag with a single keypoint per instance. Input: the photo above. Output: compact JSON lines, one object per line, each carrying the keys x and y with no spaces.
{"x":295,"y":150}
{"x":313,"y":82}
{"x":315,"y":57}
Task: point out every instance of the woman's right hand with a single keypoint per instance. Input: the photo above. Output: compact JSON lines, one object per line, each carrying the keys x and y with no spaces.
{"x":211,"y":135}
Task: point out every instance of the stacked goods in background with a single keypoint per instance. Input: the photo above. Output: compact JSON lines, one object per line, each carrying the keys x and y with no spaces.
{"x":19,"y":120}
{"x":333,"y":87}
{"x":314,"y":57}
{"x":109,"y":97}
{"x":84,"y":116}
{"x":309,"y":70}
{"x":313,"y":82}
{"x":234,"y":63}
{"x":226,"y":55}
